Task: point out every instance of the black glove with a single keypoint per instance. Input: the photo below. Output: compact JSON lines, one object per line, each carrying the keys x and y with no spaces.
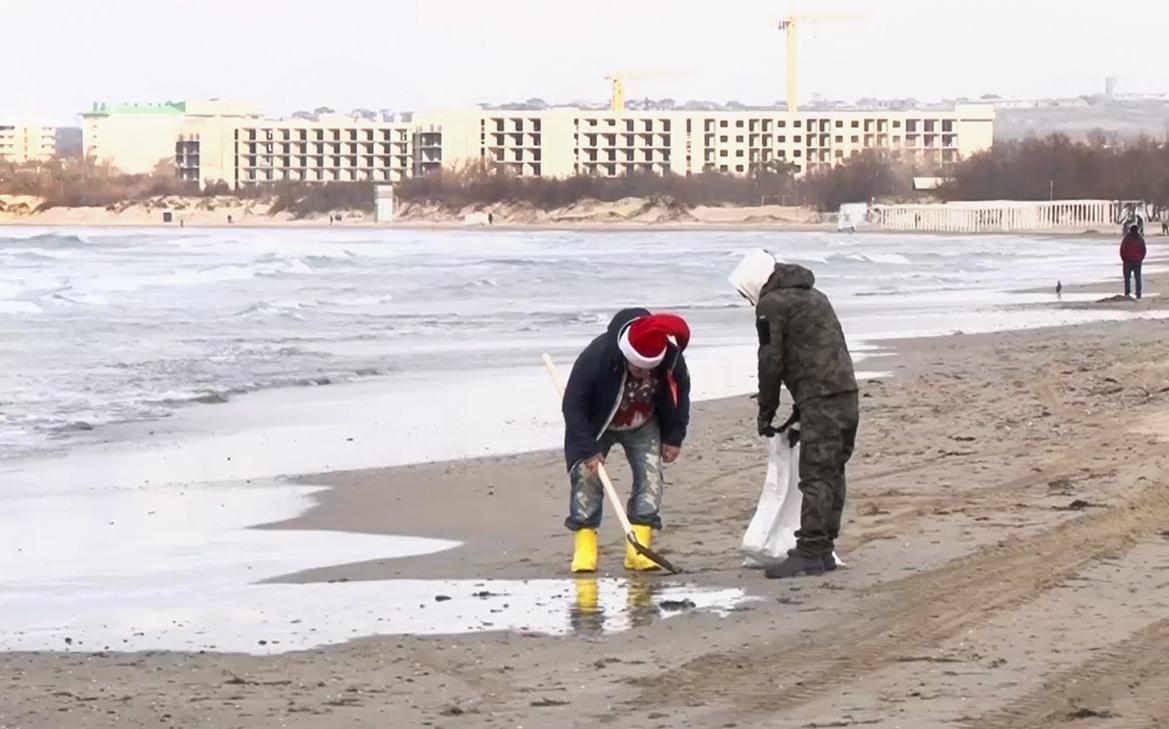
{"x":766,"y":429}
{"x":793,"y":437}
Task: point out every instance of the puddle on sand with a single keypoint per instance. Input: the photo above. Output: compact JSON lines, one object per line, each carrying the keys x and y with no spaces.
{"x":608,"y":606}
{"x":177,"y":568}
{"x":276,"y":618}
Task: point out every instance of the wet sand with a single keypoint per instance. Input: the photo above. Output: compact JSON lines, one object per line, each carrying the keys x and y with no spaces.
{"x":1111,"y":287}
{"x":1009,"y":567}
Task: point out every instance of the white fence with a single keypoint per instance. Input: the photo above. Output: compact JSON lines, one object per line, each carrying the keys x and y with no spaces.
{"x":1003,"y":216}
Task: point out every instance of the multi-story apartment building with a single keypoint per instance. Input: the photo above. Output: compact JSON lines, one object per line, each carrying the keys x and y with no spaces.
{"x":132,"y":137}
{"x":216,"y":141}
{"x":27,"y":142}
{"x":561,"y":142}
{"x":135,"y":138}
{"x":332,"y":148}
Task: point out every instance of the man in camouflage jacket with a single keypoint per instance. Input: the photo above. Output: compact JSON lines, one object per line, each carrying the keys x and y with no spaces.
{"x":802,"y":346}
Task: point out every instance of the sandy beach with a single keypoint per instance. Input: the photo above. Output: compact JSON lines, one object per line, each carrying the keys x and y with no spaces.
{"x":588,"y":215}
{"x":1005,"y":535}
{"x":222,"y":211}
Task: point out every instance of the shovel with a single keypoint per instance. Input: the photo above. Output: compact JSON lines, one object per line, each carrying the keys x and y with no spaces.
{"x":610,"y":492}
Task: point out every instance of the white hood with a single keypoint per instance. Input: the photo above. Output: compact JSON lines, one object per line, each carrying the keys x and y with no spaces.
{"x":752,"y":273}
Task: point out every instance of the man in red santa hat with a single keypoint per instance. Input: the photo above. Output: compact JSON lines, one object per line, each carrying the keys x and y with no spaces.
{"x":629,"y":387}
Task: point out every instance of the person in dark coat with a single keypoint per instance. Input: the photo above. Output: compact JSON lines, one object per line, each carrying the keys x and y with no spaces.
{"x":1132,"y":256}
{"x":802,"y":347}
{"x":629,"y":387}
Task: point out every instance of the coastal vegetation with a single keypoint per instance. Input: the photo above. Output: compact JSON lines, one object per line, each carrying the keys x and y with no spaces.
{"x":1055,"y":166}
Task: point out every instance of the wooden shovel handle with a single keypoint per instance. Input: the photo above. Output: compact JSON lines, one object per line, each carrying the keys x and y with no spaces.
{"x":610,"y":492}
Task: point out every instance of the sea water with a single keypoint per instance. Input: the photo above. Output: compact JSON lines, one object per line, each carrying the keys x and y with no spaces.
{"x":109,"y":326}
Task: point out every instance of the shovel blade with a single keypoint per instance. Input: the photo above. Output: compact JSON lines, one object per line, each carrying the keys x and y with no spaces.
{"x":648,"y":553}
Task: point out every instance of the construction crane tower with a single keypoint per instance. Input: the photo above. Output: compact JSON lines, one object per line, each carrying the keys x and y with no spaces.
{"x":791,"y":23}
{"x":617,"y":80}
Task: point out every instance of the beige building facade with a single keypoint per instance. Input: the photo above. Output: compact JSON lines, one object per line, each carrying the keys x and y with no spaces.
{"x":21,"y":143}
{"x":135,"y":138}
{"x":561,"y":142}
{"x":258,"y":151}
{"x":231,"y":142}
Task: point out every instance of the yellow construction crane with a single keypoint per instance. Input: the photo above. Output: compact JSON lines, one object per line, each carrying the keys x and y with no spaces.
{"x":617,"y":95}
{"x":791,"y":23}
{"x":617,"y":79}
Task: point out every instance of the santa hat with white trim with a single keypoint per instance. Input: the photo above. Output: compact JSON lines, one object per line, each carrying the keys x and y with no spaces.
{"x":644,"y":340}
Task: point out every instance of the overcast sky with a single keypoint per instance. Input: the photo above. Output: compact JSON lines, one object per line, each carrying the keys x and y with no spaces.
{"x":59,"y":56}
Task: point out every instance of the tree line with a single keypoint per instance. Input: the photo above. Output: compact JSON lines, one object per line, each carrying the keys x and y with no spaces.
{"x":82,"y":183}
{"x":1055,"y":167}
{"x":1031,"y":169}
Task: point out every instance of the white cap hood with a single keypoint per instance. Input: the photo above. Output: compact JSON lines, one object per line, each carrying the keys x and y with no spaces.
{"x":752,"y":273}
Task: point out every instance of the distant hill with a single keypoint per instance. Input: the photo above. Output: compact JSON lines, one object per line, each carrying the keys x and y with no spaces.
{"x":1124,"y":120}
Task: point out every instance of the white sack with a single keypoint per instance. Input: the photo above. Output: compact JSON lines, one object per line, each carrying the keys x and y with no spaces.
{"x":772,"y":531}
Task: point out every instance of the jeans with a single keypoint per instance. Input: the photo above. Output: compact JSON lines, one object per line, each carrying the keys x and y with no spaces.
{"x":643,"y":448}
{"x":1132,"y":270}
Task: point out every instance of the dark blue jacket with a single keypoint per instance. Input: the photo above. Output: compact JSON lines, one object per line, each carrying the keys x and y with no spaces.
{"x":594,"y":392}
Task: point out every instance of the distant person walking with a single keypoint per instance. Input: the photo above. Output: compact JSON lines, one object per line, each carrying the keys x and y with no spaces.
{"x":1132,"y":255}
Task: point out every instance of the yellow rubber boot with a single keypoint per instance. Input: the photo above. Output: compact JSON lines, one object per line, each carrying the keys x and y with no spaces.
{"x":584,"y":553}
{"x":633,"y":560}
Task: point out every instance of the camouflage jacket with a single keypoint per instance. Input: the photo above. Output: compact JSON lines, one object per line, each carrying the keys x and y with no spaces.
{"x":801,"y":344}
